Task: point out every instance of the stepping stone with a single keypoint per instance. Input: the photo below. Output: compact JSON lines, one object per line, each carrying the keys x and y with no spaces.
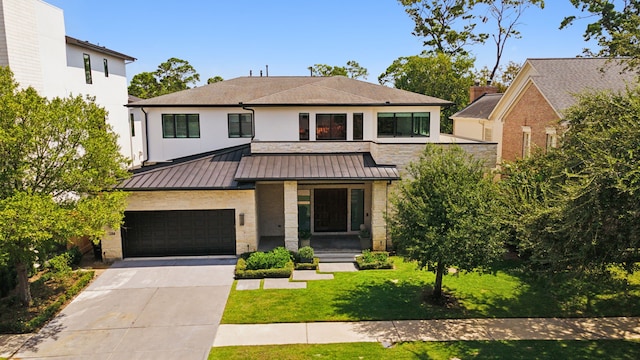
{"x":248,"y":284}
{"x":307,"y":275}
{"x":338,"y":267}
{"x":283,"y":284}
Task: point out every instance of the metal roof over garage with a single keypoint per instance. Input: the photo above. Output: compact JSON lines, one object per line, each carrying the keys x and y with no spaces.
{"x":334,"y":166}
{"x":214,"y":170}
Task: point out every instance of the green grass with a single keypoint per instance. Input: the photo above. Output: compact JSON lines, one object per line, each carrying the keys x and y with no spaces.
{"x":509,"y":291}
{"x":569,"y":350}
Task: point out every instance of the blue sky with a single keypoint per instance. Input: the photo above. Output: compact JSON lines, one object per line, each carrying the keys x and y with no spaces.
{"x":230,"y":37}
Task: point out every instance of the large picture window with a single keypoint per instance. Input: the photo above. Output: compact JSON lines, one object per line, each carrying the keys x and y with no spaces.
{"x":240,"y":126}
{"x":403,"y":124}
{"x":331,"y":127}
{"x":180,"y":125}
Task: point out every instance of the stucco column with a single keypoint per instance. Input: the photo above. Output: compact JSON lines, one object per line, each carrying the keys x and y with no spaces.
{"x":378,"y":212}
{"x":291,"y":215}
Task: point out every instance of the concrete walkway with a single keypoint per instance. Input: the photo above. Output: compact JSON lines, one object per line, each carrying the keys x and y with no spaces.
{"x":428,"y":330}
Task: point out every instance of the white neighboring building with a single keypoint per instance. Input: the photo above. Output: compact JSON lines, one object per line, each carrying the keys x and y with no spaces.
{"x":34,"y":46}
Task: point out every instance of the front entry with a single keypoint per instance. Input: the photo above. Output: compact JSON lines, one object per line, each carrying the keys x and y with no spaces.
{"x":330,"y":210}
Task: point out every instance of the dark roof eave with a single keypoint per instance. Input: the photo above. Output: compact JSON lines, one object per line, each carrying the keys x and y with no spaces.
{"x":98,"y":48}
{"x":315,"y":179}
{"x":242,"y":187}
{"x":136,"y":105}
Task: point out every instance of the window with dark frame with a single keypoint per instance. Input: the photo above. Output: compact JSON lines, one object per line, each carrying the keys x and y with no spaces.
{"x":303,"y":121}
{"x":240,"y":125}
{"x":105,"y":62}
{"x":358,"y":120}
{"x":404,"y":124}
{"x":180,"y":125}
{"x":87,"y":68}
{"x":132,"y":125}
{"x":331,"y":126}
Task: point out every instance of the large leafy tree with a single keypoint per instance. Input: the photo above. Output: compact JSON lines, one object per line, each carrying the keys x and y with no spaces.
{"x":440,"y":75}
{"x":445,"y":213}
{"x":171,"y":76}
{"x":352,"y":70}
{"x":449,"y":26}
{"x":616,"y":30}
{"x":58,"y":157}
{"x":585,"y":213}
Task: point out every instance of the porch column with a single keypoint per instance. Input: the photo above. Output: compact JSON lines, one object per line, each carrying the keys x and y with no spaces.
{"x":291,"y":215}
{"x":378,"y":212}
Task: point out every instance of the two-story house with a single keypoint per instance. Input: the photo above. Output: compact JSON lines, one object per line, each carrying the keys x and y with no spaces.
{"x":529,"y":114}
{"x":34,"y":46}
{"x":237,"y":162}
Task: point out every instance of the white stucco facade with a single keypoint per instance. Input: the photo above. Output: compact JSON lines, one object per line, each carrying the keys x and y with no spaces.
{"x":33,"y":44}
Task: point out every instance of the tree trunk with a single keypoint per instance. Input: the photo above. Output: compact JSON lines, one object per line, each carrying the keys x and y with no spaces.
{"x":24,"y":291}
{"x":437,"y":289}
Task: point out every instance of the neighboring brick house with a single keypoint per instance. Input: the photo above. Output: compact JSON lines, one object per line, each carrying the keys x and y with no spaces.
{"x":234,"y":164}
{"x":528,"y":115}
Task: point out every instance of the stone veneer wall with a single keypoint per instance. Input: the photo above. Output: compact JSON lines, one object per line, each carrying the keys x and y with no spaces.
{"x":243,"y":201}
{"x":291,"y":215}
{"x":378,"y":213}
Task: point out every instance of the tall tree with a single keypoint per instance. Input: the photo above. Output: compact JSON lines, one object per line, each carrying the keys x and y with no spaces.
{"x":58,"y":157}
{"x":170,"y":76}
{"x":445,"y":213}
{"x":352,"y":70}
{"x":450,"y":25}
{"x":617,"y":28}
{"x":586,"y":210}
{"x":440,"y":75}
{"x":503,"y":77}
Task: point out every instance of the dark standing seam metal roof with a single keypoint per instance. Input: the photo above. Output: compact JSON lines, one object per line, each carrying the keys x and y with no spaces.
{"x":340,"y":166}
{"x":213,"y":170}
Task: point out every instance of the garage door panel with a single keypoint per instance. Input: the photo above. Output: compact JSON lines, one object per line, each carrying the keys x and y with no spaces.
{"x":179,"y":233}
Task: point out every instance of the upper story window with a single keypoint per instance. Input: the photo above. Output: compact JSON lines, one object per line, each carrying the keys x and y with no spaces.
{"x":552,"y":138}
{"x":526,"y":141}
{"x":132,"y":125}
{"x":358,"y":120}
{"x":303,"y":121}
{"x":87,"y":68}
{"x":240,"y":126}
{"x":105,"y":63}
{"x":180,"y":125}
{"x":331,"y":126}
{"x":404,"y":124}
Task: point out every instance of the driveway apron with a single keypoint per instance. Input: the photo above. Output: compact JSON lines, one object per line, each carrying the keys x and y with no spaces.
{"x":141,"y":309}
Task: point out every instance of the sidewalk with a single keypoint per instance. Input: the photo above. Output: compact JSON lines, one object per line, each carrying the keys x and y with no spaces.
{"x":429,"y":330}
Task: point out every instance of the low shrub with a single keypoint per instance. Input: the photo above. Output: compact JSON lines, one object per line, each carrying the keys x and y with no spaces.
{"x":374,"y":260}
{"x":60,"y":265}
{"x":242,"y":272}
{"x":305,"y":253}
{"x":313,"y":265}
{"x":274,"y":259}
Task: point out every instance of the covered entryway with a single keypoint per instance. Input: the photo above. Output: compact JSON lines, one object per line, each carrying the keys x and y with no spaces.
{"x":330,"y":210}
{"x":179,"y":233}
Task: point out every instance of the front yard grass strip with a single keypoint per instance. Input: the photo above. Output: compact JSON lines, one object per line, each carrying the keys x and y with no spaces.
{"x":509,"y":291}
{"x":551,"y":350}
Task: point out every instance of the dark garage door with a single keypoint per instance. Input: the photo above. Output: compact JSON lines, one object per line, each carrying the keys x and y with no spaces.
{"x":179,"y":233}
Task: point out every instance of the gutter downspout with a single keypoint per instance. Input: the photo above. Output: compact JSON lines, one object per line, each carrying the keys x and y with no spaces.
{"x":146,"y":136}
{"x":253,"y":120}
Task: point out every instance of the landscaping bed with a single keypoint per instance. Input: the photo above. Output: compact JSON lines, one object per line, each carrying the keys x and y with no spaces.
{"x":372,"y":260}
{"x":277,"y":263}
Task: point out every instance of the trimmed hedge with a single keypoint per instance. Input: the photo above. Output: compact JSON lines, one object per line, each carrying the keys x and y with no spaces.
{"x":372,"y":260}
{"x":308,"y":266}
{"x":242,"y":272}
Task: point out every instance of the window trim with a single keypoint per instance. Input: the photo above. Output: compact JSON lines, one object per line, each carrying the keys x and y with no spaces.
{"x":86,"y":58}
{"x":331,"y":122}
{"x":361,"y":126}
{"x":174,"y":118}
{"x":394,"y":118}
{"x":240,"y":133}
{"x":526,"y":142}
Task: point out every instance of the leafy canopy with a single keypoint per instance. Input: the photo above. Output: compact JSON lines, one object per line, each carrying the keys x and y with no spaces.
{"x":352,"y":70}
{"x":171,"y":76}
{"x":58,"y":157}
{"x":445,"y":212}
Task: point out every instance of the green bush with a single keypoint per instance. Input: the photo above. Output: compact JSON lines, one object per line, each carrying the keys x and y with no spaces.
{"x":274,"y":259}
{"x":75,"y":255}
{"x":374,"y":260}
{"x":306,"y":252}
{"x":308,"y":265}
{"x":60,"y":264}
{"x":243,"y":273}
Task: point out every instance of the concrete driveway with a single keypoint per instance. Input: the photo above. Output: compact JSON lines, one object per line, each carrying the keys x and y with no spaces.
{"x":141,"y":309}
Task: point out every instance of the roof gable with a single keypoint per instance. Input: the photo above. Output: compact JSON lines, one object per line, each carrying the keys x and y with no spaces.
{"x":481,"y":108}
{"x":291,"y":90}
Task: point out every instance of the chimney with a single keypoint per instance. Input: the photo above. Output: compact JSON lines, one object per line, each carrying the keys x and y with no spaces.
{"x":477,"y":90}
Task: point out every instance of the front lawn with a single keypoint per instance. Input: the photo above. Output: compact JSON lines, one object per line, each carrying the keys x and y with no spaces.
{"x":509,"y":291}
{"x":569,"y":350}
